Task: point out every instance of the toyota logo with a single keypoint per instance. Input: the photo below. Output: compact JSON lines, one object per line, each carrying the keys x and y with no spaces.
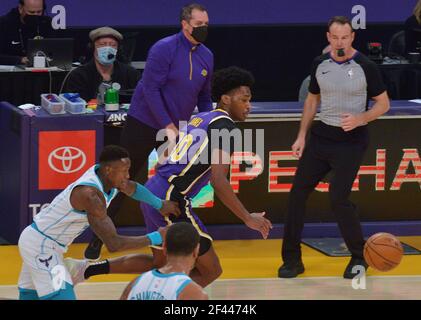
{"x":66,"y":157}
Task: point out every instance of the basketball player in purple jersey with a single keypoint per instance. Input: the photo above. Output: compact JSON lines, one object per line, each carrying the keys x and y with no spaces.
{"x":199,"y":157}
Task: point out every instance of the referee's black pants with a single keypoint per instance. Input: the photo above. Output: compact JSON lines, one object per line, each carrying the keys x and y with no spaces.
{"x":322,"y":155}
{"x":139,"y":140}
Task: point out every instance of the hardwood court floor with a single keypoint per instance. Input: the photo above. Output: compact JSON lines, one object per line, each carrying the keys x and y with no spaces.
{"x":308,"y":288}
{"x":250,"y":269}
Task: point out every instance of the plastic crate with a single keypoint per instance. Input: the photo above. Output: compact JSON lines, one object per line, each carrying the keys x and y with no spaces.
{"x":52,"y":103}
{"x":77,"y":106}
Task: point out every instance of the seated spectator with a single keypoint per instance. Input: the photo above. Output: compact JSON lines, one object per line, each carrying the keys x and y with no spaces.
{"x":27,"y":21}
{"x":103,"y":68}
{"x":306,"y":82}
{"x":413,"y":30}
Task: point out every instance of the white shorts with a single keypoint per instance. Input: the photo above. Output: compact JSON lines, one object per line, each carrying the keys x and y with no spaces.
{"x":43,"y":269}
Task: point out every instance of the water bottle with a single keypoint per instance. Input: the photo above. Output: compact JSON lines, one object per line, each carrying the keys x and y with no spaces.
{"x":101,"y":93}
{"x":111,"y":100}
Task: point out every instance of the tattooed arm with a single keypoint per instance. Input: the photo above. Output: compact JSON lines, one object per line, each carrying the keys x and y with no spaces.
{"x":90,"y":200}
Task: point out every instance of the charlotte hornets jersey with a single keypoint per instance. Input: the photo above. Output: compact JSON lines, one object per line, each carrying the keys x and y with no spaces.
{"x":154,"y":285}
{"x":60,"y":221}
{"x":188,"y":168}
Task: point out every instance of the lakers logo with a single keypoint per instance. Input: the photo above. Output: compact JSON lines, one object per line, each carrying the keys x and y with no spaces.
{"x":204,"y":72}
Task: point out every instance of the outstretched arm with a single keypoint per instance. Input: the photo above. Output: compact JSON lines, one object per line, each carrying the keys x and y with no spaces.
{"x":141,"y":193}
{"x":90,"y":200}
{"x":225,"y":193}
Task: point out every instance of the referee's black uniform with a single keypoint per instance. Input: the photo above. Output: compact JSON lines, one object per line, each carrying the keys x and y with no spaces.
{"x":344,"y":87}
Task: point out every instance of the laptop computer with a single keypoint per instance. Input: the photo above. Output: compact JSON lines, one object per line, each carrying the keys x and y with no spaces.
{"x":59,"y":51}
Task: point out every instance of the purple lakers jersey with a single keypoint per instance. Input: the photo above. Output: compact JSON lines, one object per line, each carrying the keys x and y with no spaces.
{"x":188,"y":168}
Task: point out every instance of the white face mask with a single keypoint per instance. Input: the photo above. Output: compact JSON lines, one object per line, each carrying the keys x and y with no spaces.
{"x":106,"y":55}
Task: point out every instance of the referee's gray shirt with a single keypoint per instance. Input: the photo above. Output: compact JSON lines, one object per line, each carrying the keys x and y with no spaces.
{"x":345,"y":87}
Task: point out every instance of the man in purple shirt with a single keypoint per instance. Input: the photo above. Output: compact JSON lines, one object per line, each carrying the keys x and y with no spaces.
{"x":176,"y":79}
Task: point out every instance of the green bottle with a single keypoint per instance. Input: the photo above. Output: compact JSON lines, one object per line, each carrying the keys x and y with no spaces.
{"x":111,"y":100}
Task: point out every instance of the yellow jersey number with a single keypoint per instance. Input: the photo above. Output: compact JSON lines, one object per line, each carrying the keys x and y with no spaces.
{"x":182,"y":146}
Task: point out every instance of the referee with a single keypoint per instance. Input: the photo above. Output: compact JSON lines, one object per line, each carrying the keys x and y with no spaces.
{"x":342,"y":81}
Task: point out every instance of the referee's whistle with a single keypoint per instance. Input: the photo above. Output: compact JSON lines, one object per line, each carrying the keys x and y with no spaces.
{"x":341,"y":52}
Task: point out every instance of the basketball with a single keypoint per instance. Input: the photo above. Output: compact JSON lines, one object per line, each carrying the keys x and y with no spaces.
{"x":383,"y":251}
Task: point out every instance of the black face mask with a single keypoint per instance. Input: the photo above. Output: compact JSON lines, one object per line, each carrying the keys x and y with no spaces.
{"x":32,"y":21}
{"x":200,"y":33}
